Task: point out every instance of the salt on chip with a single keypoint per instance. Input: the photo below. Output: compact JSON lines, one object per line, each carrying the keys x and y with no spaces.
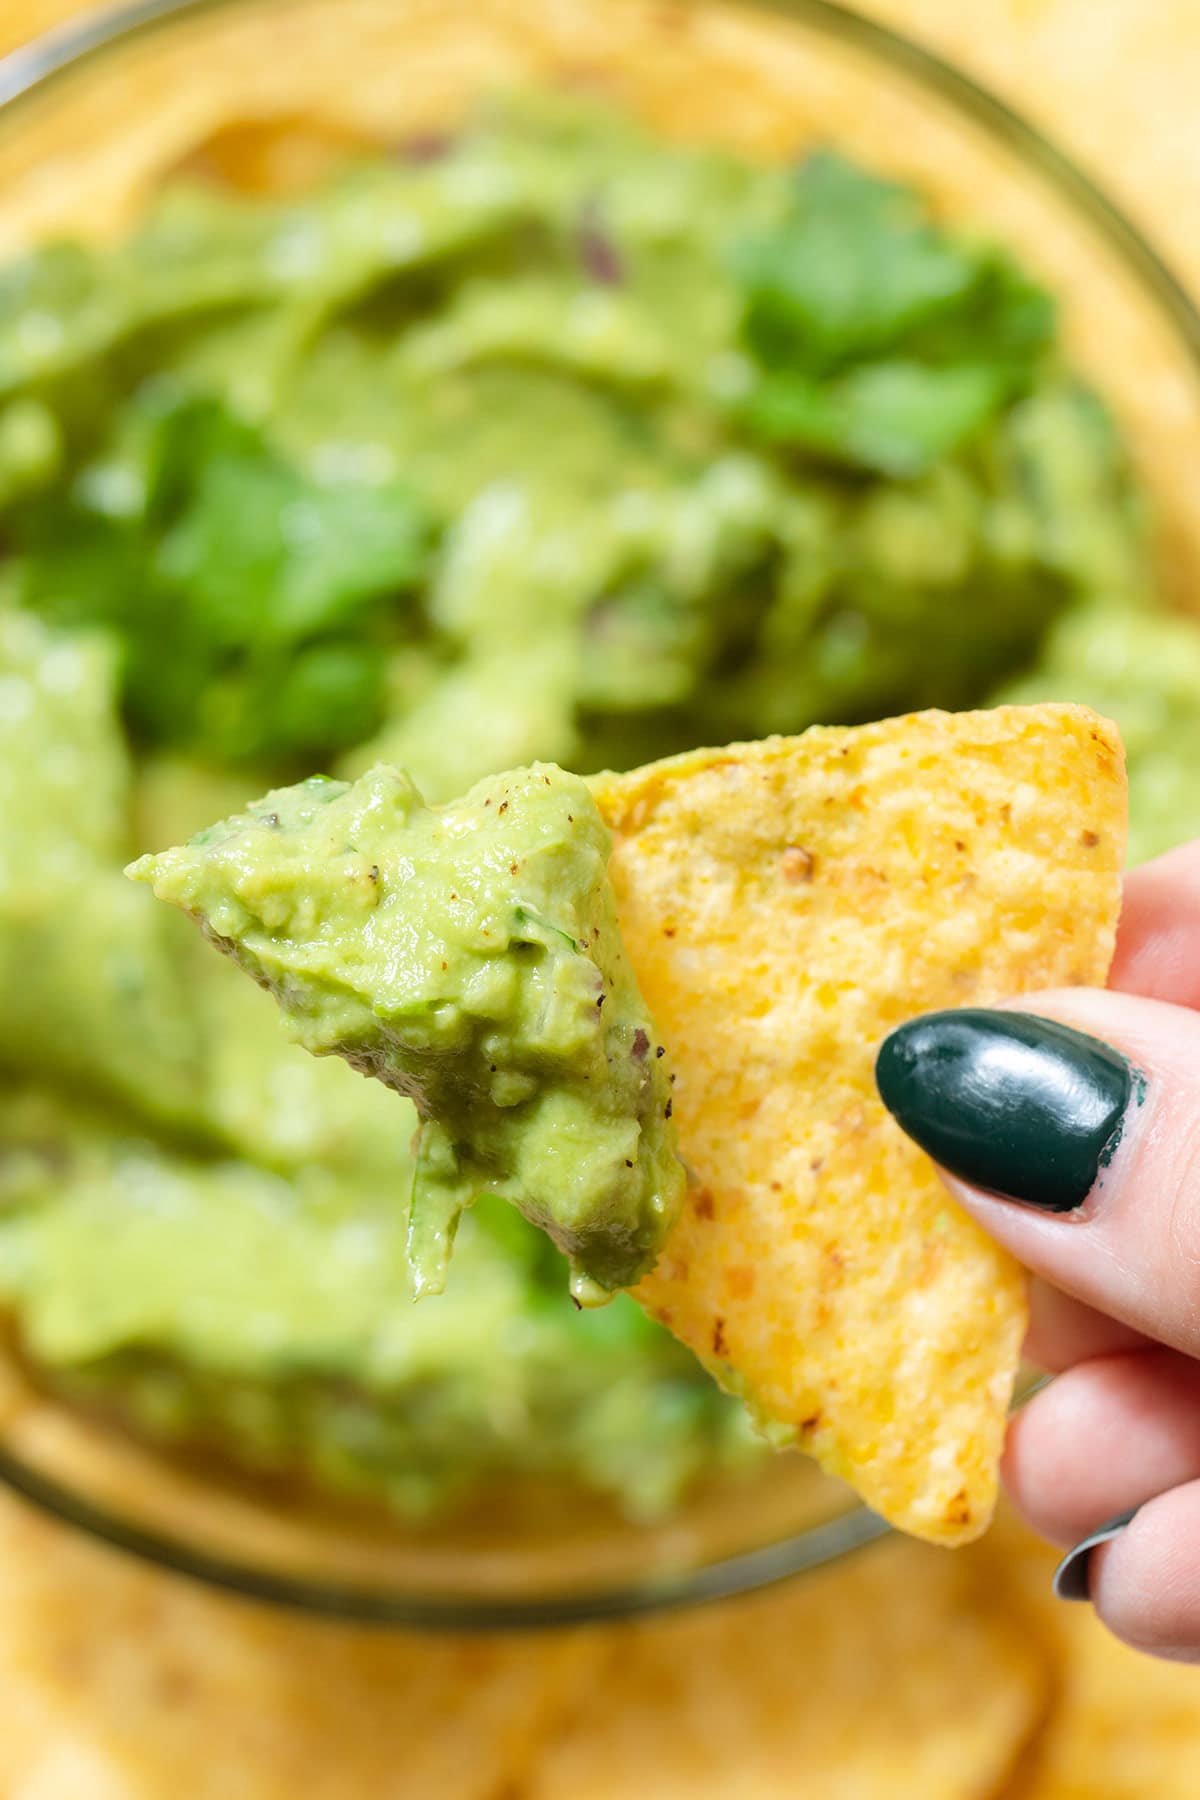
{"x":785,"y":904}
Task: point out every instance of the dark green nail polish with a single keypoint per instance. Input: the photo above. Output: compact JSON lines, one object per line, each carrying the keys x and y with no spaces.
{"x":1020,"y":1106}
{"x":1072,"y":1578}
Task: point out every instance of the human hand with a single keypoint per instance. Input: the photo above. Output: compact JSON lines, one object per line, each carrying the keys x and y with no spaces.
{"x":1079,"y":1150}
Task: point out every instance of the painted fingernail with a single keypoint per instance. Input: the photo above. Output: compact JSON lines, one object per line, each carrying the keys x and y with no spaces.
{"x":1070,"y":1579}
{"x":1023,"y":1107}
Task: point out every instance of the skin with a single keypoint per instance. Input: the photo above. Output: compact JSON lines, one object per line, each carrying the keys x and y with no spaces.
{"x":1116,"y":1294}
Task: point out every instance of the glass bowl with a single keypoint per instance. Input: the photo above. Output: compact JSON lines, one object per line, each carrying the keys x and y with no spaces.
{"x":90,"y":116}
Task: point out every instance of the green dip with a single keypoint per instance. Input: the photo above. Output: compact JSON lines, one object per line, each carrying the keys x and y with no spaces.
{"x":545,"y":440}
{"x":469,"y":957}
{"x":268,"y":1316}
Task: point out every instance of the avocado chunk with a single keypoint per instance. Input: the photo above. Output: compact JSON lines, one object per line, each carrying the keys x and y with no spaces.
{"x":469,"y":957}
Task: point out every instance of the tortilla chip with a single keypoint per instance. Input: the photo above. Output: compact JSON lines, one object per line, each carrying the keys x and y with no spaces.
{"x":118,"y":1681}
{"x":785,"y":904}
{"x":1127,"y":1727}
{"x":886,"y":1678}
{"x":1123,"y":1726}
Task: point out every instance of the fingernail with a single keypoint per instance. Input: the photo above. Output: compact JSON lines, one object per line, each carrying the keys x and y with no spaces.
{"x":1023,"y":1107}
{"x":1070,"y":1579}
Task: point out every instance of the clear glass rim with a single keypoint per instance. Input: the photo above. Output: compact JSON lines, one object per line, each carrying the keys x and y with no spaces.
{"x":31,"y":68}
{"x":26,"y":73}
{"x":740,"y":1574}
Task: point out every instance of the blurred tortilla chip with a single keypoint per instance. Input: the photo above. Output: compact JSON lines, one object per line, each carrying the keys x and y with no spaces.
{"x":1123,"y":1726}
{"x":785,"y":904}
{"x":886,"y":1678}
{"x":119,"y":1682}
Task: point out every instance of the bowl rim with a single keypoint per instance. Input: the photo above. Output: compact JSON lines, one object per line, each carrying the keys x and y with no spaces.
{"x":742,"y":1573}
{"x":31,"y":68}
{"x":25,"y":74}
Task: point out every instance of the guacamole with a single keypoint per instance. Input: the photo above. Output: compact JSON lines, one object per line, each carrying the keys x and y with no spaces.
{"x":209,"y":1301}
{"x":541,"y":439}
{"x":1144,"y":672}
{"x":548,"y":441}
{"x":469,"y":957}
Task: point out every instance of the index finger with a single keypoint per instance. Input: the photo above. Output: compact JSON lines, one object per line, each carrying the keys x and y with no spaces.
{"x":1157,"y":956}
{"x":1158,"y":940}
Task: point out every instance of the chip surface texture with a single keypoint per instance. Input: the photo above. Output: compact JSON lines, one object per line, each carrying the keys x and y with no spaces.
{"x":786,"y":904}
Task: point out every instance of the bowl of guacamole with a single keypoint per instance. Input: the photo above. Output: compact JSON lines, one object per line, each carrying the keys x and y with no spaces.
{"x":454,"y":394}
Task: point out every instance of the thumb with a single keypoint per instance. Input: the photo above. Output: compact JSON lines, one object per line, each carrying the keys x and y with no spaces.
{"x":1071,"y":1132}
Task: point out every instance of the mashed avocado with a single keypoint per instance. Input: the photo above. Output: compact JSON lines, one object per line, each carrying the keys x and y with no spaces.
{"x":91,"y":994}
{"x":269,"y":1316}
{"x":549,"y":442}
{"x":469,"y":957}
{"x":541,"y":440}
{"x":1144,"y":673}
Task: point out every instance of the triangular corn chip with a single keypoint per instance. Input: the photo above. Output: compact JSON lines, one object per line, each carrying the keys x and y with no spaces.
{"x":785,"y":904}
{"x":894,"y":1677}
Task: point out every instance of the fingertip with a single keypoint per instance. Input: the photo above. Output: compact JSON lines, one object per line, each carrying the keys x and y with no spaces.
{"x":1158,"y":940}
{"x":1034,"y":1469}
{"x":1145,"y":1582}
{"x":1122,"y":1234}
{"x":1072,"y":1579}
{"x":1106,"y":1435}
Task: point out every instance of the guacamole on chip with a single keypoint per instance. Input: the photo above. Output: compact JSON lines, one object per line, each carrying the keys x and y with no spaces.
{"x":789,"y":902}
{"x":469,"y":957}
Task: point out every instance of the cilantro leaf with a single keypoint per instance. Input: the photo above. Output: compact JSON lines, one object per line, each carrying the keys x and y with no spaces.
{"x":253,"y":604}
{"x":853,"y":270}
{"x":879,"y":340}
{"x":898,"y":417}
